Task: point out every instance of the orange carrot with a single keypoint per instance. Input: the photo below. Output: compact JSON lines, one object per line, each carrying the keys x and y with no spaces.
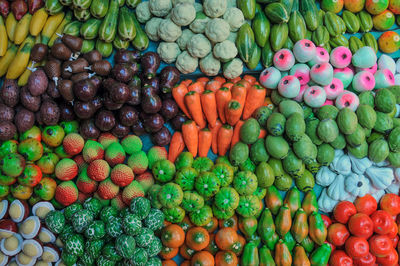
{"x":193,"y":104}
{"x":214,"y":132}
{"x":190,"y":135}
{"x":235,"y":80}
{"x":176,"y":146}
{"x":222,"y":97}
{"x":263,"y":134}
{"x":257,"y":83}
{"x":236,"y":133}
{"x":205,"y":140}
{"x":179,"y":92}
{"x":209,"y":105}
{"x":233,"y":112}
{"x":250,"y":79}
{"x":213,"y":85}
{"x":239,"y":92}
{"x":228,"y":85}
{"x":187,"y":82}
{"x":225,"y":134}
{"x":203,"y":80}
{"x":222,"y":80}
{"x":196,"y":86}
{"x":254,"y":99}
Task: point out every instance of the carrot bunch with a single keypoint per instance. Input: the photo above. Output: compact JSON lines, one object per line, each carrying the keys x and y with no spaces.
{"x":218,"y":104}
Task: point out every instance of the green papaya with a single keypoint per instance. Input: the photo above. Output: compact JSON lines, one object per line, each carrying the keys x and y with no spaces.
{"x":104,"y":48}
{"x":326,"y":154}
{"x":90,"y":29}
{"x":354,"y":44}
{"x":365,"y":19}
{"x":351,"y":21}
{"x":73,"y":28}
{"x":297,"y":25}
{"x":141,"y":41}
{"x":369,"y":40}
{"x":126,"y":25}
{"x":309,"y":10}
{"x":276,"y":146}
{"x":81,"y":4}
{"x":245,"y":42}
{"x":332,"y":24}
{"x":267,"y":54}
{"x":261,"y":27}
{"x":277,"y":13}
{"x":278,"y":36}
{"x":320,"y":36}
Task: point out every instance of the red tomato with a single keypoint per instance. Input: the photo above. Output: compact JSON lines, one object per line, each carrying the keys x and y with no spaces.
{"x":327,"y":220}
{"x":383,"y":222}
{"x":393,"y":231}
{"x":366,"y":204}
{"x":390,"y":203}
{"x":361,"y":225}
{"x":356,"y":247}
{"x":340,"y":258}
{"x":337,"y":234}
{"x":365,"y":261}
{"x":389,"y":260}
{"x":395,"y":240}
{"x":380,"y":245}
{"x":343,"y":211}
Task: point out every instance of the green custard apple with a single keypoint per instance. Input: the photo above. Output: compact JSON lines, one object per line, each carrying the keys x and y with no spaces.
{"x":71,"y":210}
{"x":114,"y":227}
{"x":125,"y":246}
{"x":131,"y":224}
{"x":170,"y":195}
{"x":81,"y":219}
{"x":174,"y":214}
{"x":55,"y":221}
{"x":144,"y":237}
{"x":207,"y":184}
{"x":192,"y":201}
{"x":75,"y":245}
{"x":93,"y":248}
{"x":152,"y":195}
{"x":155,"y":220}
{"x":94,"y":205}
{"x":68,"y":258}
{"x":245,"y":182}
{"x":154,"y":247}
{"x":103,"y":261}
{"x":247,"y":165}
{"x":140,"y":257}
{"x":140,"y":207}
{"x":185,"y":177}
{"x":227,"y":199}
{"x":224,"y":173}
{"x":95,"y":230}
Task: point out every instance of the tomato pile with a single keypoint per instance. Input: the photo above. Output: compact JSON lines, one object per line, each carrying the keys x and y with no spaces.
{"x":364,"y":233}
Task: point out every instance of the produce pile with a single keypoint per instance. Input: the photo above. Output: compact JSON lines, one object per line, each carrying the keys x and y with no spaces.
{"x":116,"y":150}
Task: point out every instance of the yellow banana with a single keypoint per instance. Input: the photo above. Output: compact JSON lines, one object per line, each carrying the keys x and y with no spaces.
{"x":22,"y":29}
{"x":6,"y":60}
{"x":38,"y":21}
{"x":51,"y":26}
{"x":21,"y":60}
{"x":11,"y":24}
{"x":67,"y":19}
{"x":3,"y":37}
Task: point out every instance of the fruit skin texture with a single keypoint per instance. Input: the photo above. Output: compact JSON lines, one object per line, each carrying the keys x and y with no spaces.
{"x":85,"y":184}
{"x":131,"y":144}
{"x":394,"y":6}
{"x":107,"y":189}
{"x":31,"y":176}
{"x":46,"y":188}
{"x":146,"y":180}
{"x":155,"y":154}
{"x":354,"y":6}
{"x":131,"y":191}
{"x":343,"y":211}
{"x":66,"y":193}
{"x":98,"y":170}
{"x":73,"y":143}
{"x":114,"y":154}
{"x":376,"y":7}
{"x":389,"y":42}
{"x":92,"y":151}
{"x":66,"y":169}
{"x":122,"y":175}
{"x":361,"y":225}
{"x":138,"y":162}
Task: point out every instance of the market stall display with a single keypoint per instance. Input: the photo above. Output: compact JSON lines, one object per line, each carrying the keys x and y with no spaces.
{"x":215,"y":132}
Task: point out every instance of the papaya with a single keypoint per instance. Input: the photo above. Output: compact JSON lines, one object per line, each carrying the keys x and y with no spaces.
{"x":292,"y":199}
{"x":354,"y":44}
{"x":309,"y":10}
{"x":273,"y":200}
{"x":320,"y":36}
{"x":351,"y":21}
{"x":300,"y":257}
{"x":108,"y":27}
{"x":365,"y":19}
{"x":265,"y":256}
{"x":277,"y":13}
{"x":245,"y":42}
{"x":317,"y":229}
{"x":261,"y":27}
{"x":278,"y":36}
{"x":266,"y":226}
{"x":309,"y":203}
{"x":297,"y":25}
{"x":283,"y":221}
{"x":282,"y":254}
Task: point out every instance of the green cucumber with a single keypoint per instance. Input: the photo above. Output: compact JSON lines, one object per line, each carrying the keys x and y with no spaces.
{"x":366,"y":23}
{"x":90,"y":29}
{"x":126,"y":25}
{"x":297,"y":25}
{"x":108,"y":27}
{"x":354,"y":44}
{"x":261,"y":27}
{"x":277,"y":13}
{"x":369,"y":40}
{"x":309,"y":10}
{"x":352,"y":21}
{"x":267,"y":55}
{"x":278,"y":36}
{"x":99,"y":8}
{"x":320,"y":36}
{"x":141,"y":41}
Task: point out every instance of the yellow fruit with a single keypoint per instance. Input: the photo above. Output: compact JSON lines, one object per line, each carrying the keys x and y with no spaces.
{"x":51,"y":26}
{"x":6,"y":60}
{"x":11,"y":24}
{"x":37,"y":23}
{"x":3,"y":38}
{"x":22,"y":29}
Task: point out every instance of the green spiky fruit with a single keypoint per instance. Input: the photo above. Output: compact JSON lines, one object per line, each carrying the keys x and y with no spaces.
{"x":94,"y":205}
{"x":131,"y":224}
{"x":131,"y":144}
{"x":75,"y":245}
{"x":140,"y":207}
{"x":93,"y":248}
{"x":125,"y":246}
{"x":114,"y":227}
{"x":108,"y":213}
{"x":154,"y":247}
{"x":71,"y":210}
{"x":144,"y":237}
{"x":55,"y":221}
{"x":81,"y":219}
{"x":68,"y":258}
{"x":155,"y":220}
{"x":95,"y":230}
{"x":110,"y":252}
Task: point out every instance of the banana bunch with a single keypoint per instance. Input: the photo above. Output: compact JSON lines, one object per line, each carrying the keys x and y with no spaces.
{"x":17,"y":39}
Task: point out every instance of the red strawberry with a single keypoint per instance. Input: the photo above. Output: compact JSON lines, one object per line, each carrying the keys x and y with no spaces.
{"x":73,"y":143}
{"x":98,"y":170}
